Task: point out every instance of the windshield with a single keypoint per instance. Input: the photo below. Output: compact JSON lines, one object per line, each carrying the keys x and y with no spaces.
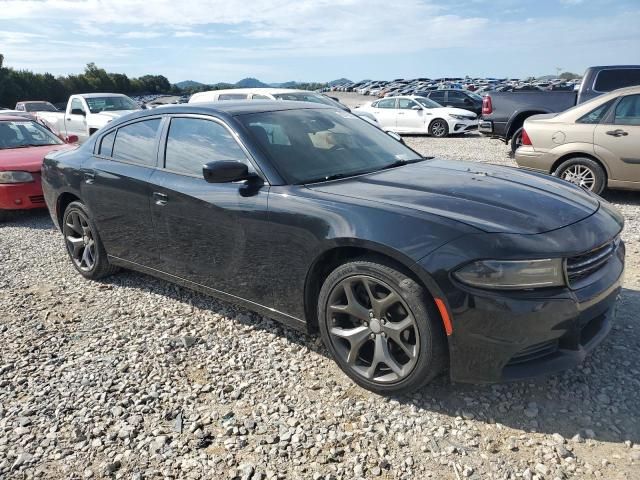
{"x":110,"y":104}
{"x":427,"y":102}
{"x":309,"y":146}
{"x":25,"y":134}
{"x":39,"y":107}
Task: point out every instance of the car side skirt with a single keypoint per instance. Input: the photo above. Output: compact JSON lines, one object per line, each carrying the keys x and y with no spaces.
{"x":281,"y":317}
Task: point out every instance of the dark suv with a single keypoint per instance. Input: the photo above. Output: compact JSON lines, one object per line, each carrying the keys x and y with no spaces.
{"x":455,"y":98}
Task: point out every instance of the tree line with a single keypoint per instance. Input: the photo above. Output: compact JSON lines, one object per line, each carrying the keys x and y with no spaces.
{"x":16,"y":85}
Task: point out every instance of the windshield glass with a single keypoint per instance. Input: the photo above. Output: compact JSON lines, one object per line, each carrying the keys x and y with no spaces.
{"x":110,"y":104}
{"x":475,"y":96}
{"x":427,"y":102}
{"x":39,"y":107}
{"x":25,"y":134}
{"x":309,"y":146}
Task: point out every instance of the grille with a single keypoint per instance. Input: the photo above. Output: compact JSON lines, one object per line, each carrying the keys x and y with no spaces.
{"x":534,"y":352}
{"x":584,"y":265}
{"x":37,"y":198}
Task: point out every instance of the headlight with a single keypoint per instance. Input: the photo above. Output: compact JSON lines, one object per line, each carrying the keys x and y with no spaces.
{"x":460,"y":117}
{"x":15,"y":177}
{"x":508,"y":274}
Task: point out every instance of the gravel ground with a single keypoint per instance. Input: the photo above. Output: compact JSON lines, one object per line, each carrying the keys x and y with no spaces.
{"x":136,"y":378}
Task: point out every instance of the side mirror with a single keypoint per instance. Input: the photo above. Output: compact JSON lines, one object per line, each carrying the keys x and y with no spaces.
{"x":225,"y":171}
{"x":395,"y":136}
{"x":416,"y":107}
{"x":72,"y":139}
{"x":78,"y":111}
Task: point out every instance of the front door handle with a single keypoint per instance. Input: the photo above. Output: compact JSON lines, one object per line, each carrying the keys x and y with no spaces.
{"x":89,"y":177}
{"x":617,"y":133}
{"x":160,"y":199}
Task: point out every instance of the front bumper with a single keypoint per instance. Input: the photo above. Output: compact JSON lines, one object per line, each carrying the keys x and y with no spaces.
{"x":22,"y":196}
{"x":509,"y":335}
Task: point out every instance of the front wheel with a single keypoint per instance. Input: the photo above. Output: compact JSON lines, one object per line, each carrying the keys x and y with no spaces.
{"x":439,"y":128}
{"x":584,"y":172}
{"x":83,"y":243}
{"x":380,"y":327}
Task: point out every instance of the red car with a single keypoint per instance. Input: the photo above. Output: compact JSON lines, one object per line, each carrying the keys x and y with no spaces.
{"x":23,"y":145}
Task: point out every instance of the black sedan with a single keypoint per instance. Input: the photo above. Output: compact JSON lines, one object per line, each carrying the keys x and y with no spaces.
{"x":407,"y":266}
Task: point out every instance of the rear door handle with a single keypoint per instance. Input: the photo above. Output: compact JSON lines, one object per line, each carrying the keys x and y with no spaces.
{"x":160,"y":199}
{"x":617,"y":133}
{"x":89,"y":177}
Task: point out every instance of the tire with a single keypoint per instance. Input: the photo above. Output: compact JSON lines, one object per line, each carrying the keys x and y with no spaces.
{"x":409,"y":318}
{"x":583,"y":171}
{"x":83,"y":243}
{"x":438,"y":128}
{"x":516,"y":140}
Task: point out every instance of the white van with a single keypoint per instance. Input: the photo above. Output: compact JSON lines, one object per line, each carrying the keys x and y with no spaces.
{"x":263,"y":94}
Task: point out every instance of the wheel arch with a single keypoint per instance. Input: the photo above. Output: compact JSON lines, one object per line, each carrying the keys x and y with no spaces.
{"x":341,"y":253}
{"x":572,"y":155}
{"x":517,"y":121}
{"x":63,"y":201}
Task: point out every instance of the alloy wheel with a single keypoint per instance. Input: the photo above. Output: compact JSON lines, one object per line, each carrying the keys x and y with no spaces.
{"x":372,"y":329}
{"x":80,"y":240}
{"x":438,"y":129}
{"x":580,"y":175}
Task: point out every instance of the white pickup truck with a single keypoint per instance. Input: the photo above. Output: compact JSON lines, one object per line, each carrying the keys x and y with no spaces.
{"x":87,"y":113}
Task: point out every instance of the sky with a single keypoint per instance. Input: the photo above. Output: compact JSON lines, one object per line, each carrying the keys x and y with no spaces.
{"x":319,"y":40}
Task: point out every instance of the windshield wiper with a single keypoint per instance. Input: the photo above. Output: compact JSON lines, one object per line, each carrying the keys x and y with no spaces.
{"x":335,"y":176}
{"x":399,"y":163}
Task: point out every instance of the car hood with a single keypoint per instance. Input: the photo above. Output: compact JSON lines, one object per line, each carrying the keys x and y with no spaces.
{"x":451,"y":111}
{"x":113,"y":114}
{"x":488,"y":197}
{"x":27,"y":159}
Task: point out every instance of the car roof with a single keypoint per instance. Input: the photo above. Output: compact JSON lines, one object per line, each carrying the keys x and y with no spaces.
{"x":269,"y":90}
{"x":95,"y":95}
{"x":13,"y":118}
{"x":229,"y":108}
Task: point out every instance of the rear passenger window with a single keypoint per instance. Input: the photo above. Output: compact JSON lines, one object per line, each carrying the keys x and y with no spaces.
{"x":106,"y":146}
{"x":597,"y":114}
{"x":192,"y":142}
{"x":387,"y":103}
{"x":136,"y":143}
{"x":608,"y":80}
{"x":257,"y":96}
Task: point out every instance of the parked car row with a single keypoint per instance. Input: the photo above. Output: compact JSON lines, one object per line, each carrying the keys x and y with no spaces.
{"x":504,"y":113}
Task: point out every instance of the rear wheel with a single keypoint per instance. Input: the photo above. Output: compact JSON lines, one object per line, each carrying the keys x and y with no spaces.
{"x":380,"y":327}
{"x":83,"y":243}
{"x":584,"y":172}
{"x":439,"y":128}
{"x":516,"y":140}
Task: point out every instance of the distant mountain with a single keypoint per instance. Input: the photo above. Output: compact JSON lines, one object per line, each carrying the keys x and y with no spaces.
{"x":339,"y":81}
{"x":189,"y":84}
{"x":250,"y":83}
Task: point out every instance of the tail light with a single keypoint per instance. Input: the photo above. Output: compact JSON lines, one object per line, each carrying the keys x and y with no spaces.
{"x":525,"y":138}
{"x":487,"y":107}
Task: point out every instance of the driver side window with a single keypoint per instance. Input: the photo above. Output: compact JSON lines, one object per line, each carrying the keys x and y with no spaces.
{"x":76,"y":105}
{"x":193,"y":142}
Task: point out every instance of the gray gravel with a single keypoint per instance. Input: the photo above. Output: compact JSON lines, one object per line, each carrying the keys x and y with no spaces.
{"x":135,"y":378}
